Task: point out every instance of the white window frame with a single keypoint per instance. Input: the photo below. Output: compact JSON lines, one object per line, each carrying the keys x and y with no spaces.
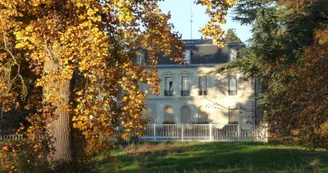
{"x":168,"y":89}
{"x":202,"y":89}
{"x":141,"y":57}
{"x":185,"y":92}
{"x":230,"y":89}
{"x":187,"y":55}
{"x":233,"y":54}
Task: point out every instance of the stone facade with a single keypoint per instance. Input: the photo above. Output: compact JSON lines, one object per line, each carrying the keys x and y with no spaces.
{"x":191,"y":94}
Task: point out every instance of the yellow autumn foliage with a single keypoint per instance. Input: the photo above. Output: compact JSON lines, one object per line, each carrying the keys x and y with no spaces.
{"x":78,"y":58}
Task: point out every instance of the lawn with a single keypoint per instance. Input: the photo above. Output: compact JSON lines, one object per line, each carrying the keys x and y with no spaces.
{"x":226,"y":157}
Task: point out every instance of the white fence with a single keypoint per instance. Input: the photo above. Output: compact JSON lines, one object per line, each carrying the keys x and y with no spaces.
{"x":205,"y":132}
{"x":11,"y":137}
{"x":195,"y":132}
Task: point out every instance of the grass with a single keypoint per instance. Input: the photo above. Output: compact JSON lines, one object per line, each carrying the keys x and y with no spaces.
{"x":226,"y":157}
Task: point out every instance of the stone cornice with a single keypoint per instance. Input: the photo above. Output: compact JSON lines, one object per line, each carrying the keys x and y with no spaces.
{"x":220,"y":97}
{"x":187,"y":66}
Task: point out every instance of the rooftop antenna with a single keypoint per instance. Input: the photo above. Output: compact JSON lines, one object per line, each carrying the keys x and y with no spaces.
{"x":191,"y":21}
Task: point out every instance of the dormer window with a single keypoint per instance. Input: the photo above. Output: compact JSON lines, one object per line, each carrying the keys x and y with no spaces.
{"x":233,"y":54}
{"x":141,"y":57}
{"x":187,"y":55}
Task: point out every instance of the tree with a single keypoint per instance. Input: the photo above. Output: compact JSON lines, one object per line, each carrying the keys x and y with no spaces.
{"x":74,"y":63}
{"x":287,"y":53}
{"x":217,"y":11}
{"x":83,"y":52}
{"x":231,"y":36}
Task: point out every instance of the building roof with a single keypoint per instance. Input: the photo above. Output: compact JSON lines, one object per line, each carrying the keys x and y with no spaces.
{"x":204,"y":53}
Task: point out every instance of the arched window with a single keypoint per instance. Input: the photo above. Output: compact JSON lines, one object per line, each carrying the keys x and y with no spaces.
{"x":168,"y":114}
{"x":233,"y":115}
{"x":202,"y":115}
{"x":185,"y":114}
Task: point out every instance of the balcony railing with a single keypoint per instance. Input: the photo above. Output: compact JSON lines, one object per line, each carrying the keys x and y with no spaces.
{"x":202,"y":93}
{"x":168,"y":93}
{"x":185,"y":93}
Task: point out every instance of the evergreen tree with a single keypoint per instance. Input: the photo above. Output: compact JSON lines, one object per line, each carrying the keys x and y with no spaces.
{"x":288,"y":53}
{"x":232,"y":36}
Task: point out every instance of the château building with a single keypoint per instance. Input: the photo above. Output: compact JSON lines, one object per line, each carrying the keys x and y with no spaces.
{"x":190,"y":93}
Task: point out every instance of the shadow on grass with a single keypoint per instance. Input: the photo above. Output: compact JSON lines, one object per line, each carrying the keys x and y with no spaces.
{"x":215,"y":157}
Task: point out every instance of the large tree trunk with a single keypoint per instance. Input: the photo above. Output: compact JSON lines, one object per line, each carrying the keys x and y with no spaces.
{"x":61,"y":130}
{"x":60,"y":127}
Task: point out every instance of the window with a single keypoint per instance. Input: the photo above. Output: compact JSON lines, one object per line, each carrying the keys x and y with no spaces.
{"x":202,"y":115}
{"x":232,"y":82}
{"x":233,"y":115}
{"x":168,"y":86}
{"x":168,"y":115}
{"x":141,"y":58}
{"x":185,"y":115}
{"x":202,"y":85}
{"x":187,"y":59}
{"x":232,"y":55}
{"x":185,"y":85}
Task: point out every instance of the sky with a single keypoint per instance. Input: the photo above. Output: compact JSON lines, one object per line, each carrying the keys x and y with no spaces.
{"x":181,"y":11}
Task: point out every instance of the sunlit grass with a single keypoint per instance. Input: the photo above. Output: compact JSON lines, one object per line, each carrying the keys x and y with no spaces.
{"x":215,"y":157}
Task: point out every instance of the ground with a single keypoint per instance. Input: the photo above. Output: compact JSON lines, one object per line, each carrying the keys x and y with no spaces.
{"x":225,"y":157}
